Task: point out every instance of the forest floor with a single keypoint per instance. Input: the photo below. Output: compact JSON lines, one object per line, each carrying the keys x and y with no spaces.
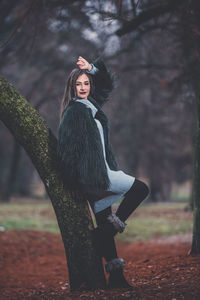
{"x":33,"y":266}
{"x":155,"y":246}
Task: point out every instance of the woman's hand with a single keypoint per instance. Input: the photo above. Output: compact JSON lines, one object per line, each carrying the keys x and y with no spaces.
{"x":83,"y":64}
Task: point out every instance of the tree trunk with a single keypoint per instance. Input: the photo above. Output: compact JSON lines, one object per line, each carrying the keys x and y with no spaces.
{"x":74,"y":220}
{"x":9,"y":189}
{"x":196,"y":187}
{"x":190,"y":23}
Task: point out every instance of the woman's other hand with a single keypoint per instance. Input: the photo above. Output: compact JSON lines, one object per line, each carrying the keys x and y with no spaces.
{"x":83,"y":64}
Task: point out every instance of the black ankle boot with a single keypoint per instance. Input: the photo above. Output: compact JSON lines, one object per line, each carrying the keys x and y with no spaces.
{"x":116,"y":278}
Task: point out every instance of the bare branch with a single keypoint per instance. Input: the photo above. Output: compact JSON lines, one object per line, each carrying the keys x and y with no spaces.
{"x":19,"y":24}
{"x":149,"y":14}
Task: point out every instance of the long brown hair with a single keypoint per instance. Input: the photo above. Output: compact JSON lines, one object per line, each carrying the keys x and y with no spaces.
{"x":70,"y":89}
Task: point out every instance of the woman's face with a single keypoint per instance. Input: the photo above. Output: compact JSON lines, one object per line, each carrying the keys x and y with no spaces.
{"x":83,"y":86}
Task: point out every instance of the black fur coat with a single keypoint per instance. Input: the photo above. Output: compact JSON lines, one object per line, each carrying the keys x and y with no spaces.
{"x":79,"y":148}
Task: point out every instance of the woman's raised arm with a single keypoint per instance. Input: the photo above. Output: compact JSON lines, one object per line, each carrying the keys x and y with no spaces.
{"x":104,"y":80}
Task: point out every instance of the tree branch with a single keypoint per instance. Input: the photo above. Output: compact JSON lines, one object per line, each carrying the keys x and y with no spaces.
{"x":149,"y":14}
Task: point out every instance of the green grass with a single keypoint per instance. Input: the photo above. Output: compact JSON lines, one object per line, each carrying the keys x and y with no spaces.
{"x":145,"y":228}
{"x":154,"y":220}
{"x":162,"y":219}
{"x":34,"y":216}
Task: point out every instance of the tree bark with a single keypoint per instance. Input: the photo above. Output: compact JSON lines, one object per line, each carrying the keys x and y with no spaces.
{"x":190,"y":25}
{"x":195,"y":249}
{"x":74,"y":220}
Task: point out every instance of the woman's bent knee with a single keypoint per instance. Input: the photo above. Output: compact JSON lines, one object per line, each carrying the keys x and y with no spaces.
{"x":146,"y":189}
{"x":143,"y":187}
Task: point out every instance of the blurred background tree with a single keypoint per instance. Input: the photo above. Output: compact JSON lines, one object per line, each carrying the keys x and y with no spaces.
{"x":152,"y":107}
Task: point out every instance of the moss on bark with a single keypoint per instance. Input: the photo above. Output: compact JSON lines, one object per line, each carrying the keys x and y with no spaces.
{"x":74,"y":220}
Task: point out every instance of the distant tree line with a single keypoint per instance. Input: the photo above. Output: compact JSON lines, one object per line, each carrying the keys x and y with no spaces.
{"x":151,"y":109}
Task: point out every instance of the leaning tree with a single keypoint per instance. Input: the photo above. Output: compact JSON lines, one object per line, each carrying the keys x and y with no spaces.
{"x":73,"y":216}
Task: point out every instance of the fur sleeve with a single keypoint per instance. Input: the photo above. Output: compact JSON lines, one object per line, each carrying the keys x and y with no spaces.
{"x":80,"y":151}
{"x":104,"y":81}
{"x":110,"y":156}
{"x":111,"y":159}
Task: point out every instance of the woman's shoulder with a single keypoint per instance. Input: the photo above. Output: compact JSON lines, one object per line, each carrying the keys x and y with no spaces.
{"x":75,"y":106}
{"x":75,"y":110}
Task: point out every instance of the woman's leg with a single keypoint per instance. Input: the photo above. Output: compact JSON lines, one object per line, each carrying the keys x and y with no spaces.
{"x":137,"y":193}
{"x":106,"y":242}
{"x":105,"y":232}
{"x":106,"y":245}
{"x":110,"y":223}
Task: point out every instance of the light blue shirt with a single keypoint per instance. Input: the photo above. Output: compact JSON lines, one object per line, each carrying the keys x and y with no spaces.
{"x":93,"y":71}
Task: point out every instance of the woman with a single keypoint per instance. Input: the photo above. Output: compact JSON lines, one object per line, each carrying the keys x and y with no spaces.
{"x":88,"y":164}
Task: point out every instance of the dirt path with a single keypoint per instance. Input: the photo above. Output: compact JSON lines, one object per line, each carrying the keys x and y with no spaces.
{"x":33,"y":266}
